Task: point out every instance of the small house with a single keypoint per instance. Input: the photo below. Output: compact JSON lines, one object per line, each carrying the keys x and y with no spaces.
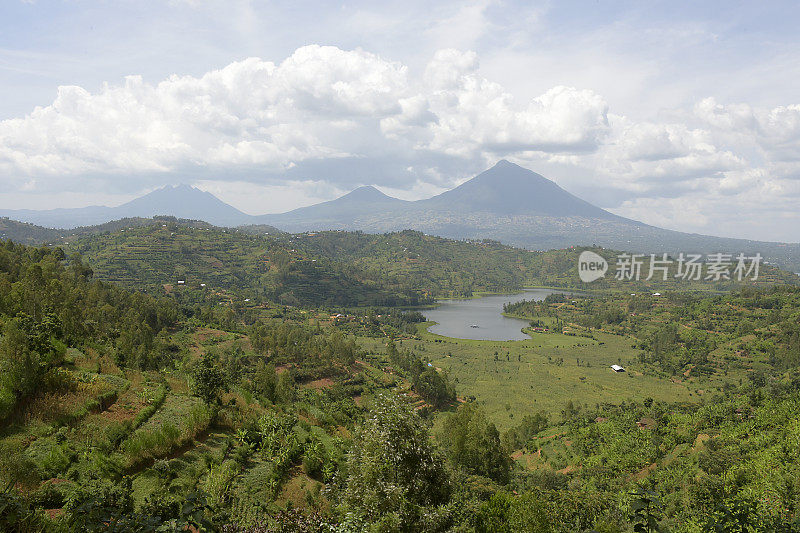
{"x":617,"y":368}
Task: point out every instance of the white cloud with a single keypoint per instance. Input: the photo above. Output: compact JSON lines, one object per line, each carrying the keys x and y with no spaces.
{"x":651,"y":154}
{"x":775,"y":131}
{"x":320,"y":103}
{"x":766,"y":210}
{"x":476,"y":114}
{"x":251,"y":112}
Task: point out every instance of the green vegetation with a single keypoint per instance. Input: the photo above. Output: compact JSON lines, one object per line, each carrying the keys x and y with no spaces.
{"x":196,"y":410}
{"x":688,"y":334}
{"x":513,"y":379}
{"x":337,"y":269}
{"x":31,"y":234}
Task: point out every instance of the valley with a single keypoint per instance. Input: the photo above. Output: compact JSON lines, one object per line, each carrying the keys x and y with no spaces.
{"x":399,"y":267}
{"x":247,"y":390}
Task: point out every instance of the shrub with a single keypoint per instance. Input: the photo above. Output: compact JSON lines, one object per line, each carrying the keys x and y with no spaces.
{"x":145,"y":414}
{"x":7,"y":400}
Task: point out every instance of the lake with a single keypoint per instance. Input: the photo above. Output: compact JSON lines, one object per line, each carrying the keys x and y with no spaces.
{"x":454,"y":317}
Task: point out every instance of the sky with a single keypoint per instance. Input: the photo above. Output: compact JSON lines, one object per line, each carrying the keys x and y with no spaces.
{"x":684,"y":115}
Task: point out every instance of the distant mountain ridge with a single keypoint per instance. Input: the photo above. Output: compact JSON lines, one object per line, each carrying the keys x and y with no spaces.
{"x":506,"y":203}
{"x":515,"y":206}
{"x":342,"y":213}
{"x":505,"y":190}
{"x":181,"y":201}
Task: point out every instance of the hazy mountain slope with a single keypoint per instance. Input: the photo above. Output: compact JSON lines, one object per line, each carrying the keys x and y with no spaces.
{"x":25,"y":233}
{"x":354,"y":210}
{"x":516,"y":206}
{"x":508,"y":189}
{"x":482,"y":203}
{"x":63,"y":218}
{"x":184,"y":201}
{"x":180,"y":201}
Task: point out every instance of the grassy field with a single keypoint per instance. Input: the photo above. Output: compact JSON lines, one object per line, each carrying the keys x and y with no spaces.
{"x":515,"y":378}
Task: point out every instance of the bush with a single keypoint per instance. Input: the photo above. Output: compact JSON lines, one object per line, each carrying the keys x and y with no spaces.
{"x":7,"y":401}
{"x":144,"y":445}
{"x":145,"y":414}
{"x":55,"y":461}
{"x":313,"y":458}
{"x":507,"y":513}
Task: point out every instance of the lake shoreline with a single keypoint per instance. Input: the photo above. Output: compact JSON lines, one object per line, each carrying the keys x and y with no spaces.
{"x":482,"y":318}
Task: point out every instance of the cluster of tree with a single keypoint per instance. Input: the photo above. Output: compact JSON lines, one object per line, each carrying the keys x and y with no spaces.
{"x":472,"y":442}
{"x":433,"y":386}
{"x":382,"y":322}
{"x":519,"y":436}
{"x":679,"y":330}
{"x":312,"y":353}
{"x":48,"y":303}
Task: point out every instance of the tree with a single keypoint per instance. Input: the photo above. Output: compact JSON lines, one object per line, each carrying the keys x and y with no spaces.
{"x":645,"y":506}
{"x":519,"y":436}
{"x":504,"y":513}
{"x":473,"y":443}
{"x":208,"y":380}
{"x":393,"y":472}
{"x":265,"y":380}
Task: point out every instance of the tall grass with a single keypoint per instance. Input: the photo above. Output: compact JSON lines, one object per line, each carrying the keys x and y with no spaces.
{"x":217,"y":483}
{"x":147,"y":445}
{"x":116,"y":433}
{"x":145,"y":414}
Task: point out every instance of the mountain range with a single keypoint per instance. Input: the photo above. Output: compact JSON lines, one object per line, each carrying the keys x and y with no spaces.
{"x":507,"y":203}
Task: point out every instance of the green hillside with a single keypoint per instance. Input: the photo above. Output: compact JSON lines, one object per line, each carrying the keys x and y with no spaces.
{"x":341,"y":268}
{"x":184,"y":410}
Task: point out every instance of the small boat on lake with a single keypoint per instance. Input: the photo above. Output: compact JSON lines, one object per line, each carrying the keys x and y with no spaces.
{"x":474,"y":326}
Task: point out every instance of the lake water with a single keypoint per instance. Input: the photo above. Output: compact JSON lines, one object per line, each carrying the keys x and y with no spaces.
{"x":454,"y":317}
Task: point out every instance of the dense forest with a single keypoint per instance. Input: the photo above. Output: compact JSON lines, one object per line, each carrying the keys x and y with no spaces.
{"x":162,"y":410}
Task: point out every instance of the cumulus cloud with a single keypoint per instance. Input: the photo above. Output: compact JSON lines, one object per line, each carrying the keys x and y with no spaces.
{"x":476,"y":114}
{"x":776,"y":131}
{"x":320,"y":103}
{"x":251,"y":112}
{"x":660,"y":154}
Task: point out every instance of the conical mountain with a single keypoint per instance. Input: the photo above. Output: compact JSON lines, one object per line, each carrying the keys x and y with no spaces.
{"x":472,"y":209}
{"x":184,"y":201}
{"x":509,"y":189}
{"x":345,"y":212}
